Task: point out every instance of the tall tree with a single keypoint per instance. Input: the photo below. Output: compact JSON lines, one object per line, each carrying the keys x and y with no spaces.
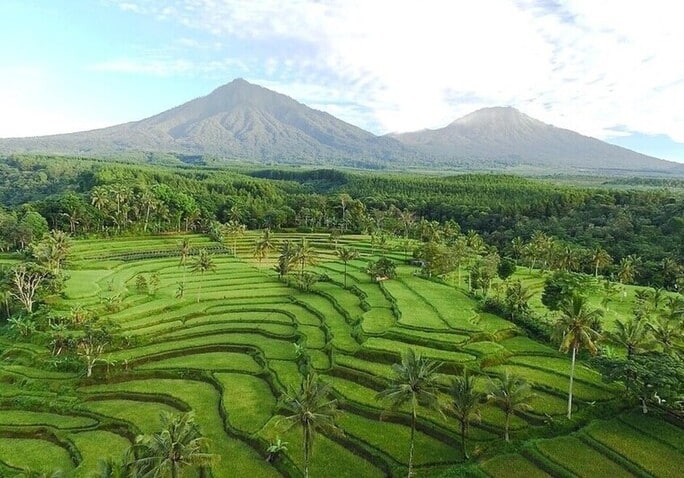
{"x":346,"y":255}
{"x":235,"y":229}
{"x":465,"y":404}
{"x":312,"y":409}
{"x":632,"y":334}
{"x":204,"y":262}
{"x":414,"y":383}
{"x":667,"y":332}
{"x":512,"y":394}
{"x":577,"y":328}
{"x":600,"y":259}
{"x":304,"y":255}
{"x":627,"y":270}
{"x":26,"y":281}
{"x":178,"y":446}
{"x":264,"y":245}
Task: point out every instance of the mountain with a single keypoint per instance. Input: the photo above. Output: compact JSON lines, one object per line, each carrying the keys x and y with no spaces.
{"x":241,"y":121}
{"x":237,"y":121}
{"x":505,"y":137}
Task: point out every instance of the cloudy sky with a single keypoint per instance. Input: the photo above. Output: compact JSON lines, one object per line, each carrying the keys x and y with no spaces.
{"x":612,"y":69}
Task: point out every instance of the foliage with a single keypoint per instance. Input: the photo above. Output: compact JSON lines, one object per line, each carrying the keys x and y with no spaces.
{"x":650,"y":377}
{"x":382,"y":268}
{"x":311,"y":409}
{"x":414,"y":383}
{"x":465,"y":404}
{"x":177,"y":446}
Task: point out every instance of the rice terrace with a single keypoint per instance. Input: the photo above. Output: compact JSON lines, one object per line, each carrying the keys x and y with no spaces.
{"x":230,"y":327}
{"x":341,"y":239}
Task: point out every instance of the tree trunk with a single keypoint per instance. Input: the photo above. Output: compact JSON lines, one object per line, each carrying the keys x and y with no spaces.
{"x":413,"y":433}
{"x":596,"y":271}
{"x":508,"y":423}
{"x":572,"y":375}
{"x":463,"y":440}
{"x":643,"y":405}
{"x":306,"y":452}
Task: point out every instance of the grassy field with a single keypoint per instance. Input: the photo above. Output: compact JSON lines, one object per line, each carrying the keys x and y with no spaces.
{"x":226,"y":350}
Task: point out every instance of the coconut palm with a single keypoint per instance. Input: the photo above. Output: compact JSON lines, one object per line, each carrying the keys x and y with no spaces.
{"x":465,"y":404}
{"x":600,"y":259}
{"x":576,"y":327}
{"x":407,"y":219}
{"x":627,"y":269}
{"x":304,"y":255}
{"x":111,"y":468}
{"x":184,"y":250}
{"x":632,"y":334}
{"x":415,"y":384}
{"x":179,"y":445}
{"x":235,"y":229}
{"x":346,"y":254}
{"x":203,"y":262}
{"x":666,"y":332}
{"x":264,"y":245}
{"x":312,"y":409}
{"x":512,"y":394}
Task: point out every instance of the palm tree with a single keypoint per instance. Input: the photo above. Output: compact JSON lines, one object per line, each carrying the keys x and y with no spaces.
{"x":632,"y":334}
{"x":627,"y":269}
{"x":178,"y":445}
{"x":203,"y":262}
{"x":517,"y":298}
{"x":235,"y":229}
{"x":407,"y":219}
{"x":512,"y":394}
{"x":465,"y":404}
{"x":414,"y":383}
{"x":600,"y":259}
{"x":111,"y":468}
{"x":576,"y":329}
{"x":666,"y":332}
{"x":313,"y":410}
{"x":264,"y":245}
{"x":304,"y":254}
{"x":347,"y":254}
{"x":517,"y":247}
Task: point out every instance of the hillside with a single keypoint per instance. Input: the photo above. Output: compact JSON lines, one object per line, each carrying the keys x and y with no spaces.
{"x":506,"y":137}
{"x":237,"y":121}
{"x":243,"y":122}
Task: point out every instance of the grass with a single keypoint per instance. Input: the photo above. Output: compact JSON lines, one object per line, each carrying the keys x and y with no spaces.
{"x":328,"y":458}
{"x":141,"y":414}
{"x":95,"y":446}
{"x":37,"y":455}
{"x":208,"y":361}
{"x":392,"y":439}
{"x":655,"y":457}
{"x":580,"y":459}
{"x":21,"y":418}
{"x":512,"y":465}
{"x":248,"y":401}
{"x":242,"y":334}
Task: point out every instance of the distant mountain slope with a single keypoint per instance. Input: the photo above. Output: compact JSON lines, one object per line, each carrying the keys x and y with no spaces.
{"x":507,"y":137}
{"x":236,"y":121}
{"x":240,"y":121}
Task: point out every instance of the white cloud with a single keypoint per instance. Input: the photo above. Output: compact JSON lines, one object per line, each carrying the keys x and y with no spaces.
{"x":580,"y":64}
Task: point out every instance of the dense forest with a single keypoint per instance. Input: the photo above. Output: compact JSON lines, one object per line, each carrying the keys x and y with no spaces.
{"x":634,"y":235}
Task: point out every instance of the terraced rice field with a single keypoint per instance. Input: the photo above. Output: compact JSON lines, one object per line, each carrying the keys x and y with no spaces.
{"x":226,"y":350}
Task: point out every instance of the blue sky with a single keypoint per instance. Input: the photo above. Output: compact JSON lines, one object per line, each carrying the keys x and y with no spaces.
{"x":611,"y":69}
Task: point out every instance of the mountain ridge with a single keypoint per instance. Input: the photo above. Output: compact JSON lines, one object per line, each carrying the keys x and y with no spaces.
{"x":241,"y":121}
